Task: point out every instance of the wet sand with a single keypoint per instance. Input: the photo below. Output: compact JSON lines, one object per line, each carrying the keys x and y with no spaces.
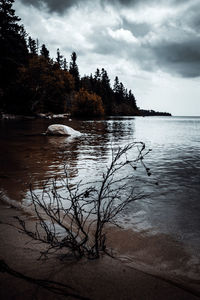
{"x":142,"y":269}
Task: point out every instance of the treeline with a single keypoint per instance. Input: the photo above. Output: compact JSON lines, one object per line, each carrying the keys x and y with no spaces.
{"x":32,"y":82}
{"x":151,"y":112}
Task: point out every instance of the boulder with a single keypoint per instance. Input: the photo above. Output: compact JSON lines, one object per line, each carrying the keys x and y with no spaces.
{"x":59,"y":129}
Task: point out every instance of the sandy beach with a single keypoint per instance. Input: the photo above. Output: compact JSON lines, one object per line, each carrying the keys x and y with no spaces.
{"x":138,"y":271}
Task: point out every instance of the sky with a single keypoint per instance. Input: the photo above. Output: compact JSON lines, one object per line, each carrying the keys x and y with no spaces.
{"x":152,"y":46}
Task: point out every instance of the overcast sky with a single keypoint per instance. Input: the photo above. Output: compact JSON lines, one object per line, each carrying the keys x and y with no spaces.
{"x":152,"y":46}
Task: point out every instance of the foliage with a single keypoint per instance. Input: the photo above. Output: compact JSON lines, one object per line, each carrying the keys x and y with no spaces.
{"x":42,"y":87}
{"x":85,"y":209}
{"x":87,"y":104}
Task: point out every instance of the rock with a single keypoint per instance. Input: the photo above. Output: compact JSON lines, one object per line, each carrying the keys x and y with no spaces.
{"x":59,"y":116}
{"x":58,"y":129}
{"x":43,"y":116}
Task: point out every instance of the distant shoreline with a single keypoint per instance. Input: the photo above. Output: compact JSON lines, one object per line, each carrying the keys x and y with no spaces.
{"x":9,"y":116}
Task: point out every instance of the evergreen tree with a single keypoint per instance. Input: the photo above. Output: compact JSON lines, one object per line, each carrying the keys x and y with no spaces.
{"x":121,"y":91}
{"x":37,"y":46}
{"x":32,"y":46}
{"x":105,"y":79}
{"x":97,"y":75}
{"x":116,"y":85}
{"x":44,"y":52}
{"x":13,"y":49}
{"x":73,"y":69}
{"x":59,"y":59}
{"x":65,"y":66}
{"x":132,"y":100}
{"x":87,"y":83}
{"x":8,"y":20}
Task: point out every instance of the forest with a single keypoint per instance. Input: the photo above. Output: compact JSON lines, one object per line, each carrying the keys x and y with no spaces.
{"x":32,"y":82}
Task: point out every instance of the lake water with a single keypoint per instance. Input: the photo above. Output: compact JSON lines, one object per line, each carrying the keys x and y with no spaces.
{"x":172,"y":207}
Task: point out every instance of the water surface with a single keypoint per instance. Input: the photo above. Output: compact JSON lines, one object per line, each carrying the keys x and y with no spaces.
{"x":173,"y":205}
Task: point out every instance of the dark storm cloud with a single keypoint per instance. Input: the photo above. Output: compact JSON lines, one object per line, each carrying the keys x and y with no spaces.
{"x":139,"y":2}
{"x":62,"y":5}
{"x":59,"y":6}
{"x":183,"y":59}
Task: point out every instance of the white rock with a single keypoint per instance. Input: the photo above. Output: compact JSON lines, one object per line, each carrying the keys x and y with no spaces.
{"x":60,"y":116}
{"x":58,"y":129}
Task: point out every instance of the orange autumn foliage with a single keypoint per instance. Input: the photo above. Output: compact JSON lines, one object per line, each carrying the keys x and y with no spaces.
{"x":87,"y":104}
{"x":44,"y":85}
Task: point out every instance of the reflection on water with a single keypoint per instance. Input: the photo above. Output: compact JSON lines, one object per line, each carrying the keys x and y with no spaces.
{"x":174,"y":205}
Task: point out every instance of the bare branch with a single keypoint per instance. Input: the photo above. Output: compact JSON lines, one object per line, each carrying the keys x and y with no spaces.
{"x":86,"y":208}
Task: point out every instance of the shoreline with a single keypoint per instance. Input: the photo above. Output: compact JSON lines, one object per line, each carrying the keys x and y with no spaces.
{"x":136,"y":257}
{"x":68,"y":116}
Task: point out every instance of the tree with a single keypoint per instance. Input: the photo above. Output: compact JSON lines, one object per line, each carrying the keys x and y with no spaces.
{"x":132,"y":100}
{"x":65,"y":66}
{"x":13,"y":49}
{"x":87,"y":104}
{"x":97,"y":75}
{"x":86,"y":83}
{"x":59,"y":59}
{"x":119,"y":91}
{"x":8,"y":20}
{"x":44,"y":52}
{"x":73,"y":69}
{"x":32,"y":45}
{"x":42,"y":88}
{"x":105,"y":79}
{"x":116,"y":85}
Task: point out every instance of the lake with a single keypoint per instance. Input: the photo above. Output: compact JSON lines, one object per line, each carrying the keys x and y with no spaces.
{"x":173,"y":202}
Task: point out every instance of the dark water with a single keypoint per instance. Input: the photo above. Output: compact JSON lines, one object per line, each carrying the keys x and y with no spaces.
{"x":174,"y":204}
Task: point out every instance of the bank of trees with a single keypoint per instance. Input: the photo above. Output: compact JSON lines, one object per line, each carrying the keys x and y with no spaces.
{"x":31,"y":82}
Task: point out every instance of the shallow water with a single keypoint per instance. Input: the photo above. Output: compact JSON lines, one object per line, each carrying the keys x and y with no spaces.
{"x":173,"y":205}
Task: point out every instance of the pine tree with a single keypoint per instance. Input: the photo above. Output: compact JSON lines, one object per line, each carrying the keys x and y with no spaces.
{"x":73,"y":69}
{"x":121,"y":91}
{"x":97,"y":75}
{"x":105,"y":79}
{"x":13,"y":49}
{"x":65,"y":66}
{"x":32,"y":45}
{"x":116,"y":85}
{"x":59,"y":59}
{"x":132,"y":100}
{"x":8,"y":20}
{"x":44,"y":52}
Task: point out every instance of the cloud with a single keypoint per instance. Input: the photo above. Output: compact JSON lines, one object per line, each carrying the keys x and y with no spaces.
{"x":154,"y":36}
{"x":52,"y":5}
{"x":60,"y":6}
{"x":182,"y":59}
{"x":138,"y":29}
{"x":123,"y":35}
